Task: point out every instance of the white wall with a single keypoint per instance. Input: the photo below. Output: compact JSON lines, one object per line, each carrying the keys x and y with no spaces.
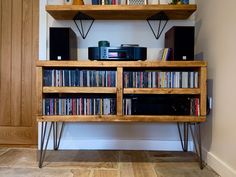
{"x":114,"y":135}
{"x":215,"y":41}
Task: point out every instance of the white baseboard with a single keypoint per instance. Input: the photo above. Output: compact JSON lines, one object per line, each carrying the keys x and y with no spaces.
{"x":218,"y":165}
{"x":122,"y":145}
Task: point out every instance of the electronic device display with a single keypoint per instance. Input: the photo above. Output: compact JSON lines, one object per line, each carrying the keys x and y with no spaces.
{"x":117,"y":53}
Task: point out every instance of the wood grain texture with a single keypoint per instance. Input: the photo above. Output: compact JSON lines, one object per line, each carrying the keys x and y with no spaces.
{"x":115,"y":64}
{"x":6,"y":44}
{"x":119,"y":118}
{"x":105,"y":173}
{"x":120,"y":12}
{"x":35,"y":55}
{"x":39,"y":86}
{"x":18,"y":54}
{"x":81,"y":173}
{"x":16,"y":63}
{"x":203,"y":87}
{"x":20,"y":135}
{"x":1,"y":25}
{"x":161,"y":91}
{"x":67,"y":163}
{"x":119,"y":96}
{"x":27,"y":63}
{"x":79,"y":89}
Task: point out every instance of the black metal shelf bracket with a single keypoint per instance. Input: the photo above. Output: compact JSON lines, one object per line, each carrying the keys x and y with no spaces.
{"x":78,"y":20}
{"x":163,"y":20}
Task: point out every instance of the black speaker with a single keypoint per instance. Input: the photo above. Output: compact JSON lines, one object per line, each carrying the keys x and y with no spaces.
{"x":62,"y":44}
{"x":181,"y":40}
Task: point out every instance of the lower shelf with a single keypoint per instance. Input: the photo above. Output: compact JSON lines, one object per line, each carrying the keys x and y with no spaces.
{"x":117,"y":118}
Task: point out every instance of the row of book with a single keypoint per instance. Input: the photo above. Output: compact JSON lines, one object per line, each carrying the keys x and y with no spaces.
{"x":195,"y":107}
{"x":165,"y":54}
{"x":160,"y":79}
{"x":79,"y":78}
{"x":79,"y":106}
{"x":106,"y":2}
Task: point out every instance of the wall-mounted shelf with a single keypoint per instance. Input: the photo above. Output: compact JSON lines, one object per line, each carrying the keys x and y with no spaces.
{"x":120,"y":12}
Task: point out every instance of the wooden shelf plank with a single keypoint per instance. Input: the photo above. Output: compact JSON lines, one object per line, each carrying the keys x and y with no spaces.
{"x":191,"y":91}
{"x":115,"y":64}
{"x":121,"y":12}
{"x":116,"y":118}
{"x":79,"y":89}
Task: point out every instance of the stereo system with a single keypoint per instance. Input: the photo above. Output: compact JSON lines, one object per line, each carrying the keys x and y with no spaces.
{"x":128,"y":53}
{"x":62,"y":44}
{"x":181,"y":40}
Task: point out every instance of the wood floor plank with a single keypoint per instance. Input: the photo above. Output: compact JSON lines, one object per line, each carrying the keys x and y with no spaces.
{"x":182,"y":169}
{"x":132,"y":164}
{"x":81,"y":173}
{"x":105,"y":173}
{"x":126,"y":168}
{"x":141,"y":165}
{"x":34,"y":172}
{"x":82,"y":159}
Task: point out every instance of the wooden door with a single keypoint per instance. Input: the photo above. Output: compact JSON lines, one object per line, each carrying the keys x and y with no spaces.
{"x":19,"y":23}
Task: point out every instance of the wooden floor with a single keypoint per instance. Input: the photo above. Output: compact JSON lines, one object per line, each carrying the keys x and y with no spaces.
{"x":17,"y":162}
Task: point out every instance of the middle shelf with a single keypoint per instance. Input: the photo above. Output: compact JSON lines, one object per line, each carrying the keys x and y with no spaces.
{"x":113,"y":90}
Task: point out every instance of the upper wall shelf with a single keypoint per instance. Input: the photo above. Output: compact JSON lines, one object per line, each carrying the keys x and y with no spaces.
{"x":120,"y":12}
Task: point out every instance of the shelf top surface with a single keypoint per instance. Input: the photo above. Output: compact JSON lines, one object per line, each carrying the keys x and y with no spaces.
{"x":101,"y":64}
{"x":121,"y":12}
{"x":126,"y":118}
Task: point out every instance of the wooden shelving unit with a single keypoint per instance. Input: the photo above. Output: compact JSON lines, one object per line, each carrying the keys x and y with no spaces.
{"x":120,"y":91}
{"x":120,"y":12}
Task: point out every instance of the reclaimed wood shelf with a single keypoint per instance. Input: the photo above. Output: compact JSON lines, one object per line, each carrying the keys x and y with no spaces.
{"x":120,"y":91}
{"x":190,"y":91}
{"x":79,"y":89}
{"x":121,"y":12}
{"x":125,"y":118}
{"x":126,"y":64}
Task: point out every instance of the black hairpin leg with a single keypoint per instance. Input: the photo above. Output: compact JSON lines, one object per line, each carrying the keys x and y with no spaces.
{"x":184,"y":137}
{"x":56,"y":138}
{"x":43,"y":145}
{"x":197,"y":141}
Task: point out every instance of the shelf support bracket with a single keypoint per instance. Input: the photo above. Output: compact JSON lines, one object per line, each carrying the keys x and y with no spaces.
{"x":78,"y":20}
{"x":163,"y":20}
